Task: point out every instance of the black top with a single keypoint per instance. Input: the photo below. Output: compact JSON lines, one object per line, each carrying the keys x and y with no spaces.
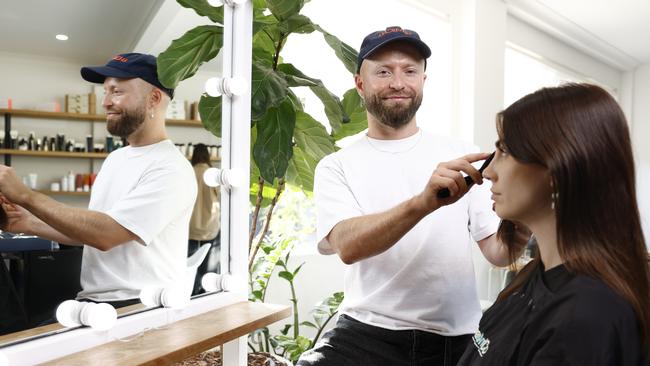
{"x":557,"y":318}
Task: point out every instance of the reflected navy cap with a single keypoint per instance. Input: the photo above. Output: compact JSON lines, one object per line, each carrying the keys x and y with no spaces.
{"x":127,"y":66}
{"x":378,"y":39}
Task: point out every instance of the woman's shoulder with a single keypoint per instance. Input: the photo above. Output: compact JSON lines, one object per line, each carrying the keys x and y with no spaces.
{"x":597,"y":306}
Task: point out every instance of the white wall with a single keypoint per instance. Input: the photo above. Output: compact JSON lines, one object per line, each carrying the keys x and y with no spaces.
{"x":321,"y":276}
{"x":31,"y":81}
{"x":640,"y":136}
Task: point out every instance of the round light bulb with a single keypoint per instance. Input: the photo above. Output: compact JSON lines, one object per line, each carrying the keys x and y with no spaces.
{"x":150,"y":296}
{"x":211,"y":282}
{"x":67,"y":313}
{"x":213,"y":87}
{"x":212,"y":177}
{"x":61,"y":37}
{"x":174,"y":297}
{"x":99,"y":316}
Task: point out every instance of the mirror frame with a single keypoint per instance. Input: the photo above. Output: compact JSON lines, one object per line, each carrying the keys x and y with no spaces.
{"x":238,"y":24}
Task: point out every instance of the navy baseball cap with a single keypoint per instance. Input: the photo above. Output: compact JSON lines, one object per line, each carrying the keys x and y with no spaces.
{"x":127,"y":66}
{"x":378,"y":39}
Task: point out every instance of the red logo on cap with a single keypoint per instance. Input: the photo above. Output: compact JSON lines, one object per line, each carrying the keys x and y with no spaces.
{"x":395,"y":30}
{"x":120,"y":58}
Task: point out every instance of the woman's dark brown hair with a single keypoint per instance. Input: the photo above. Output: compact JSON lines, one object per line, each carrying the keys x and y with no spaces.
{"x":200,"y":154}
{"x":579,"y":133}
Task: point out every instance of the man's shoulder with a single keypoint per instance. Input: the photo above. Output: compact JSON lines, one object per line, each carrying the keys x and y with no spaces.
{"x":452,"y":145}
{"x":354,"y":150}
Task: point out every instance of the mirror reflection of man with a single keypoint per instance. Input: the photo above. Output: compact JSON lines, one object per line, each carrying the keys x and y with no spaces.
{"x":410,"y":293}
{"x":135,"y":229}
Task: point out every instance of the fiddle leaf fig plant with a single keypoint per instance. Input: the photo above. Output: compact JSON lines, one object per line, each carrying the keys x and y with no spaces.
{"x":287,"y":142}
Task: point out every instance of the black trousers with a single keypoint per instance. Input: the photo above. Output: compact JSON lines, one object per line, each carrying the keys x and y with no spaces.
{"x":353,"y":343}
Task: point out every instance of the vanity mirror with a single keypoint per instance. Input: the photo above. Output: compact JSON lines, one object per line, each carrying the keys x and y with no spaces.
{"x":36,"y":278}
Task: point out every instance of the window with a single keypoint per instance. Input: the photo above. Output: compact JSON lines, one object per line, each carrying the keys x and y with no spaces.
{"x":526,"y":72}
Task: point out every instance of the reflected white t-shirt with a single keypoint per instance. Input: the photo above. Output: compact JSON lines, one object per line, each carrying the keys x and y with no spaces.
{"x":426,"y":280}
{"x":149,"y":190}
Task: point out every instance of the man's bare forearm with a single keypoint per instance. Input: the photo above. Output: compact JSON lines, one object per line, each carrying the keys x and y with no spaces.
{"x":75,"y":225}
{"x":39,"y":228}
{"x":366,"y":236}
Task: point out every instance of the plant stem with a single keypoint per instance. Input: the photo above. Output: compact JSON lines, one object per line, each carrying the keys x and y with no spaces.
{"x":256,"y":213}
{"x":278,"y":48}
{"x":320,"y":330}
{"x":278,"y":192}
{"x":294,"y":300}
{"x":251,"y":347}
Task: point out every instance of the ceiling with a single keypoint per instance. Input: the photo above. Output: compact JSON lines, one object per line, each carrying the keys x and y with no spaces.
{"x":623,"y":24}
{"x":612,"y":30}
{"x":98,"y":29}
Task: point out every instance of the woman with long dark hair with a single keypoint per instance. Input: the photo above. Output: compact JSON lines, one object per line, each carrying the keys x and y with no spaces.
{"x":564,"y":169}
{"x":205,"y":221}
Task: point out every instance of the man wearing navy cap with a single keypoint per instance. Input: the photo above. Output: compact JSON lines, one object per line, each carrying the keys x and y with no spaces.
{"x":410,"y":293}
{"x":135,"y":229}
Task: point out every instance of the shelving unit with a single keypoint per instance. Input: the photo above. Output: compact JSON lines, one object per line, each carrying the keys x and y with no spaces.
{"x":63,"y":193}
{"x":53,"y":154}
{"x":8,"y":113}
{"x":82,"y":117}
{"x":74,"y":117}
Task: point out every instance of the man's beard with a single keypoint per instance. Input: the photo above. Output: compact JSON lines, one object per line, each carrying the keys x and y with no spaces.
{"x":394,"y":116}
{"x":129,"y":121}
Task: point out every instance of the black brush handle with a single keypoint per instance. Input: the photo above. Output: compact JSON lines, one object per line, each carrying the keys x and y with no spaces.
{"x":444,"y":193}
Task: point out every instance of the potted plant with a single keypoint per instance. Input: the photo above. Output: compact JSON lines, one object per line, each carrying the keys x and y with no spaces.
{"x":286,"y":141}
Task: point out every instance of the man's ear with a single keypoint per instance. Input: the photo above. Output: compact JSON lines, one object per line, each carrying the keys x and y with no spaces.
{"x":358,"y":83}
{"x":155,"y":97}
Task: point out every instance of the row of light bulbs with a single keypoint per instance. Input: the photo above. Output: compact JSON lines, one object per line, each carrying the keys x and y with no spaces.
{"x":102,"y":316}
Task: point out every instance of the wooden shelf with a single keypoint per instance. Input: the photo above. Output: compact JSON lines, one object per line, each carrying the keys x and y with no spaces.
{"x":182,"y":339}
{"x":63,"y":193}
{"x":54,"y":154}
{"x":85,"y":117}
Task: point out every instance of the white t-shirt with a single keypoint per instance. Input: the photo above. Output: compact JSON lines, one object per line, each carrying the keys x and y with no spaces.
{"x":426,"y":280}
{"x":149,"y":190}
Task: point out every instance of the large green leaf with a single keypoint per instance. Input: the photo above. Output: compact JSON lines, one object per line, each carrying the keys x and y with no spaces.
{"x":300,"y":172}
{"x":270,"y":188}
{"x":263,"y":48}
{"x":296,"y":23}
{"x":353,"y":107}
{"x":202,"y":8}
{"x":345,"y":53}
{"x":283,"y":9}
{"x":269,"y":89}
{"x":312,"y":144}
{"x":210,"y":111}
{"x":333,"y":107}
{"x":186,"y":54}
{"x":273,"y":146}
{"x":312,"y":137}
{"x":261,"y":21}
